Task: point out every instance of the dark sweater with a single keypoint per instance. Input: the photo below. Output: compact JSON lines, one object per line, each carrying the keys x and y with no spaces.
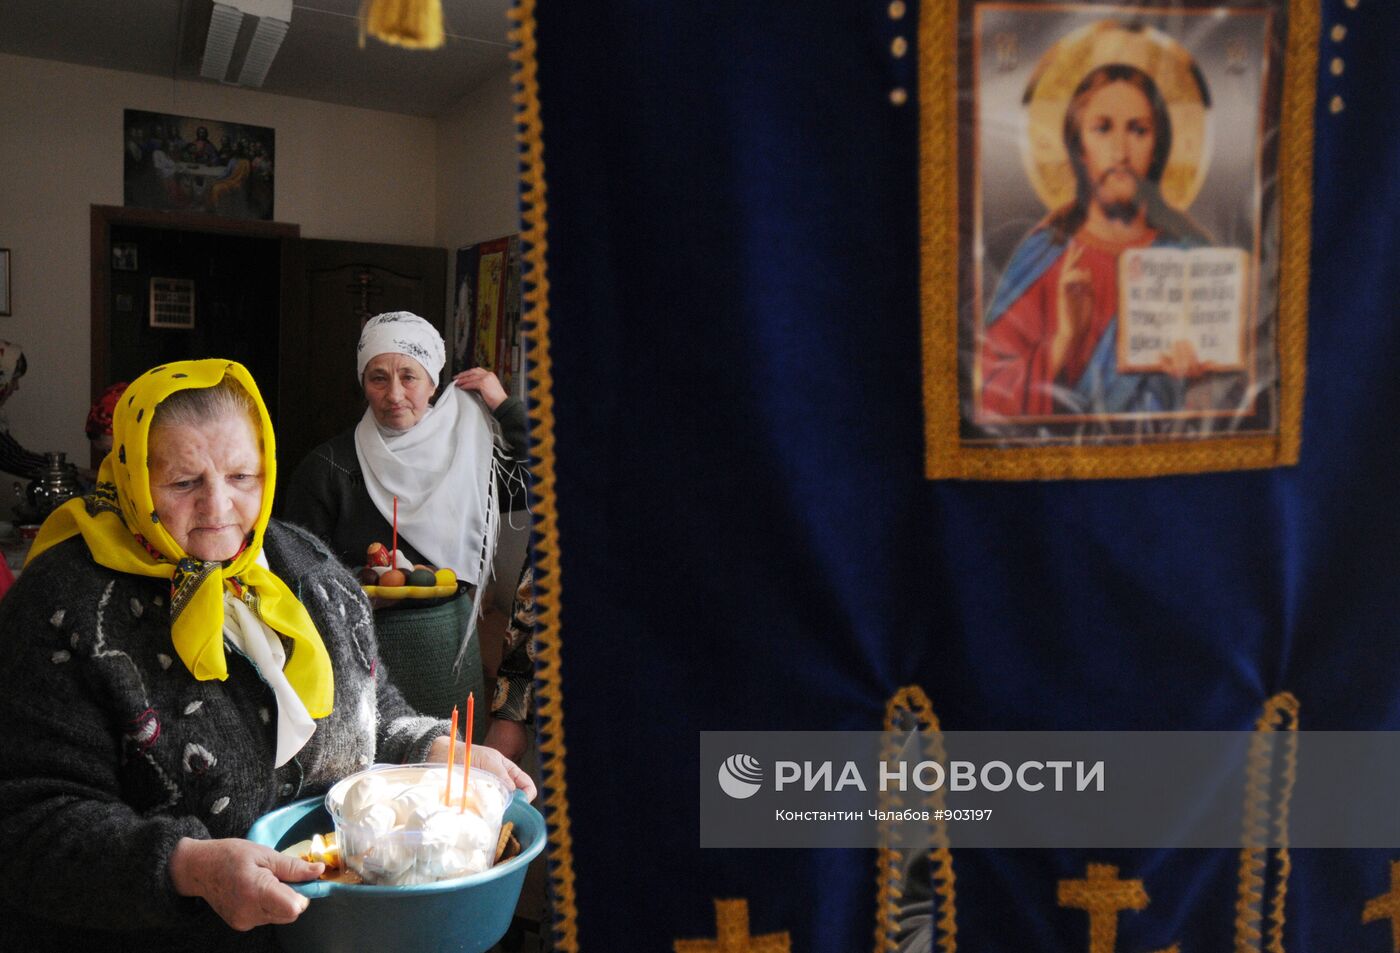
{"x":327,"y":494}
{"x":17,"y":460}
{"x":112,"y":751}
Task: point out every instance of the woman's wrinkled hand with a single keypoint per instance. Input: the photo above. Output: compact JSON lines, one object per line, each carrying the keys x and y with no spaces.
{"x":485,"y":383}
{"x":488,"y":759}
{"x":242,"y":881}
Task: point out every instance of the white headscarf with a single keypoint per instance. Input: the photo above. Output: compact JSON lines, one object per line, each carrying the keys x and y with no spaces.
{"x":442,"y":469}
{"x":400,"y":332}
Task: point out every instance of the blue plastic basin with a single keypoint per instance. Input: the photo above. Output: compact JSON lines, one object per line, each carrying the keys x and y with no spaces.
{"x":467,"y":915}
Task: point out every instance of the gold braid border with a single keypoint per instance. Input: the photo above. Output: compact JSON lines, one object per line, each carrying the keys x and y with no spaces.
{"x":938,"y":232}
{"x":1295,"y":163}
{"x":549,"y":596}
{"x":1280,"y":714}
{"x":890,"y":862}
{"x":944,"y":456}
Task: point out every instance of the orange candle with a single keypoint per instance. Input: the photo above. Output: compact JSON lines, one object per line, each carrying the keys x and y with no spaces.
{"x":394,"y":550}
{"x":451,"y":750}
{"x":467,"y":760}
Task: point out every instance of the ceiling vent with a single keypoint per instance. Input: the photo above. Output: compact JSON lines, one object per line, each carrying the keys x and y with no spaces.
{"x":273,"y":17}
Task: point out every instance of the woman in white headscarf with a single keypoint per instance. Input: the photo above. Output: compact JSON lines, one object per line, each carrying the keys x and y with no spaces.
{"x":443,"y":461}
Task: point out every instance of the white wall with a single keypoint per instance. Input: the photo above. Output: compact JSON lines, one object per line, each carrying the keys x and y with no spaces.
{"x":341,"y":172}
{"x":478,"y":185}
{"x":478,"y":173}
{"x":478,"y":170}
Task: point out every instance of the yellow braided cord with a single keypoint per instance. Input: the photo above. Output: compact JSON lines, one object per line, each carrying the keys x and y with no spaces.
{"x":889,"y":865}
{"x":891,"y":862}
{"x":1280,"y":714}
{"x":1250,"y":894}
{"x":549,"y":595}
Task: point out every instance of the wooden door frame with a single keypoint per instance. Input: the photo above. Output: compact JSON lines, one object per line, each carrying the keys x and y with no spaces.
{"x":299,"y":433}
{"x":103,"y":218}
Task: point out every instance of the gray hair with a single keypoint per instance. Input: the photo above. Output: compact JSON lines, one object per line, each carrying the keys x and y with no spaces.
{"x":202,"y":405}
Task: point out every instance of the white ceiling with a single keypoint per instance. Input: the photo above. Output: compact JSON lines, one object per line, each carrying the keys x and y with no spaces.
{"x":320,"y":58}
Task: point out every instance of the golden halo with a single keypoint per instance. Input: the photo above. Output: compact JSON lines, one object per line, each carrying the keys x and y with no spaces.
{"x":1073,"y":57}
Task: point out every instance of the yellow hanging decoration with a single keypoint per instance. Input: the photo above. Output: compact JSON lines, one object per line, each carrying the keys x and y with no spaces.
{"x":415,"y":24}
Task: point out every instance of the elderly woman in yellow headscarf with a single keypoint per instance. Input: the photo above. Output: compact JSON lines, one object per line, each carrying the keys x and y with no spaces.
{"x":173,"y":665}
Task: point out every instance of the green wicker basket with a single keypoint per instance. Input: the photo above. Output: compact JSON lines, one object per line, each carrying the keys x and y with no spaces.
{"x":418,"y":645}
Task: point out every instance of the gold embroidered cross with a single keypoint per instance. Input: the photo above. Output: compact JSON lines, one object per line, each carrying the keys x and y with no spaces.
{"x":1103,"y":895}
{"x":732,"y":922}
{"x":1387,"y":906}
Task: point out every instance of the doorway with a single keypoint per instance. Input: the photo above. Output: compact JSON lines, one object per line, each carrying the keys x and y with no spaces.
{"x":330,"y":289}
{"x":181,"y":286}
{"x":289,"y":309}
{"x":180,"y":295}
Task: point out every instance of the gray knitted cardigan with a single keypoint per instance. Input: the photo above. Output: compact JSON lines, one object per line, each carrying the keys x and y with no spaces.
{"x":111,"y":751}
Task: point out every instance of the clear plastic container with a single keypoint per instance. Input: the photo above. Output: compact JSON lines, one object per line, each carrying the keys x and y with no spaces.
{"x":392,"y":826}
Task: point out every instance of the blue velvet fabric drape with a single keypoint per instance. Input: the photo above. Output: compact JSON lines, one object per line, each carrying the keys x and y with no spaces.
{"x":747,"y":539}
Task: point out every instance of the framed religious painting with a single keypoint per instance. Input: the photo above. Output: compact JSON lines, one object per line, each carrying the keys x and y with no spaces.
{"x":1115,"y":203}
{"x":487,"y":314}
{"x":190,"y":164}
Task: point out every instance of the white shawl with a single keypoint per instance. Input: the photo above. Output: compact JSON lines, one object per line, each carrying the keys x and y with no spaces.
{"x":443,"y":472}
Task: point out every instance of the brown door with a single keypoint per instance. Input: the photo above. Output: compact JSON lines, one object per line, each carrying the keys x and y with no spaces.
{"x":329,"y":290}
{"x":231,"y":266}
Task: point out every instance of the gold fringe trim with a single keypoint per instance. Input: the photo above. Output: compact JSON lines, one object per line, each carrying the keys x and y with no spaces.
{"x":1280,"y":714}
{"x":549,"y":698}
{"x":1295,"y":171}
{"x":891,"y":862}
{"x":945,"y":456}
{"x":948,"y":459}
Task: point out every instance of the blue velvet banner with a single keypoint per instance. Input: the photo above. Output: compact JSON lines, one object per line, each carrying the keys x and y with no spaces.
{"x":748,"y":541}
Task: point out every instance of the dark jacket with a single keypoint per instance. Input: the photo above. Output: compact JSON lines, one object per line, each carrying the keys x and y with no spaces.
{"x":112,"y":751}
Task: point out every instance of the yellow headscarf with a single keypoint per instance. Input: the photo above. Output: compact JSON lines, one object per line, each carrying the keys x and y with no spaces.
{"x":120,"y":526}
